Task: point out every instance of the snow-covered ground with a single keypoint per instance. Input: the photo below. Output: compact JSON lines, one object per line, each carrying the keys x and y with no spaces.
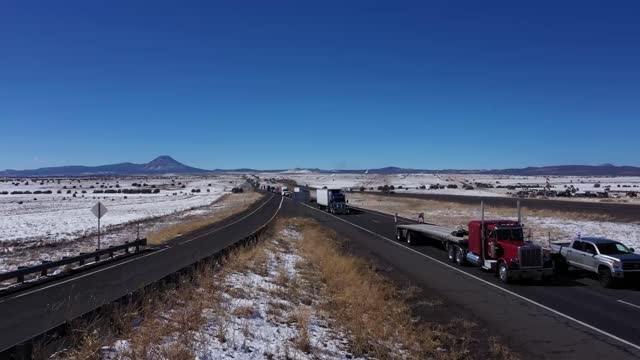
{"x":58,"y":217}
{"x":260,"y":320}
{"x":39,"y":227}
{"x":413,"y":182}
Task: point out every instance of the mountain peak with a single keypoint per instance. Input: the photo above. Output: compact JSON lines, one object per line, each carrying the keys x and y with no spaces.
{"x":167,"y":164}
{"x":164,"y":159}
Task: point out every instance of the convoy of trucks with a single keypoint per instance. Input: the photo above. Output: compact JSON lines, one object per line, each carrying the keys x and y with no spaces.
{"x":499,"y":246}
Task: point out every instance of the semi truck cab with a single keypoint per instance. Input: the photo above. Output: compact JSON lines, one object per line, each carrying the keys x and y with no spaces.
{"x":506,"y":252}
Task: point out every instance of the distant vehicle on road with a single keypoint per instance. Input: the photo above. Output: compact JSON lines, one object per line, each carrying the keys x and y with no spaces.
{"x":609,"y":259}
{"x":332,"y":200}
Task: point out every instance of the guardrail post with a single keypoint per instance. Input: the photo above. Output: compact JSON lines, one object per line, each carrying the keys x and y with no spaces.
{"x":44,"y":271}
{"x":81,"y":262}
{"x":111,"y":251}
{"x":21,"y":276}
{"x":97,"y":257}
{"x":126,"y":249}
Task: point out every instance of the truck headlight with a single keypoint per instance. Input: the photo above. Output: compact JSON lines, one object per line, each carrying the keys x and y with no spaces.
{"x":616,"y":264}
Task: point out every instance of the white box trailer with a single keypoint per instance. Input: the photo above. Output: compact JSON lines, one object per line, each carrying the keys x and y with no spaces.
{"x":332,"y":200}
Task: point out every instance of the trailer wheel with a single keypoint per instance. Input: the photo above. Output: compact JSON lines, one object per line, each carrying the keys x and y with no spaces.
{"x":410,"y":240}
{"x":503,"y":273}
{"x":451,"y":253}
{"x":460,"y":255}
{"x":399,"y":236}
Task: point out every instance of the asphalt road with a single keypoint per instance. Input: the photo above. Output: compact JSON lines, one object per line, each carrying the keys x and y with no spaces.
{"x":571,"y":318}
{"x":26,"y":314}
{"x":616,"y":211}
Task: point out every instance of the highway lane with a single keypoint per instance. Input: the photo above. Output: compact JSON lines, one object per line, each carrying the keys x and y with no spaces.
{"x":570,"y":318}
{"x":616,"y":211}
{"x":34,"y":311}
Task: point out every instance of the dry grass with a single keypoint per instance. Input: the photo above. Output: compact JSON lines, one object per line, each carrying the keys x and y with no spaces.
{"x":368,"y":307}
{"x":233,"y":204}
{"x":499,"y":351}
{"x":302,"y":341}
{"x":246,"y":311}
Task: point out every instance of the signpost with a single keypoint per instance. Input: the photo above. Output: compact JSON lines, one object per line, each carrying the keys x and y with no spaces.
{"x":99,"y":210}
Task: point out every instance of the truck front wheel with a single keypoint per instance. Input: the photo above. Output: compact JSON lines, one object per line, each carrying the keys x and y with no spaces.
{"x":503,"y":273}
{"x":560,"y":265}
{"x":604,"y":275}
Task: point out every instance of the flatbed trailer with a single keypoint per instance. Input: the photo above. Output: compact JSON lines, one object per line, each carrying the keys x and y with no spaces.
{"x":435,"y":232}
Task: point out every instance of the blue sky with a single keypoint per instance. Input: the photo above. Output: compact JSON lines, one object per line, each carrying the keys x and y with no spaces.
{"x":345,"y":84}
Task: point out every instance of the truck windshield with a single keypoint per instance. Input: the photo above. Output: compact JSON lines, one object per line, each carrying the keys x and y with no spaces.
{"x":338,"y":197}
{"x":613,"y":249}
{"x":514,"y":234}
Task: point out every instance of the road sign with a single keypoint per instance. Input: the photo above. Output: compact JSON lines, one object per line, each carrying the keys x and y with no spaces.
{"x":99,"y":210}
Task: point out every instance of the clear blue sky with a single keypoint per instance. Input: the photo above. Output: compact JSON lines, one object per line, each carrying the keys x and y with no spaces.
{"x":345,"y":84}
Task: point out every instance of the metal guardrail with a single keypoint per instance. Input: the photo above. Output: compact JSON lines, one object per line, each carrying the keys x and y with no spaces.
{"x":81,"y":260}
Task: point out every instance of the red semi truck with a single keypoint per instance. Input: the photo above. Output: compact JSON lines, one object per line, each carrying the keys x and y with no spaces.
{"x":494,"y":245}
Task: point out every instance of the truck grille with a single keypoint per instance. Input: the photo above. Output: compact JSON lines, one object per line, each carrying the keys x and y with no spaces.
{"x":530,"y":256}
{"x":630,"y":266}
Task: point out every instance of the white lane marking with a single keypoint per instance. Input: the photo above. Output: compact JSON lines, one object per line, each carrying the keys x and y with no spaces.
{"x":568,"y":317}
{"x":375,"y":221}
{"x":630,"y":304}
{"x":124,"y":262}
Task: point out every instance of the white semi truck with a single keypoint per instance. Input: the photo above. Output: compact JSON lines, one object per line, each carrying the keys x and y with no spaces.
{"x":332,"y":201}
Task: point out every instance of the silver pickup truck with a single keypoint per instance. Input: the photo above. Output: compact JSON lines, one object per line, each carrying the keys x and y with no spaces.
{"x":609,"y":259}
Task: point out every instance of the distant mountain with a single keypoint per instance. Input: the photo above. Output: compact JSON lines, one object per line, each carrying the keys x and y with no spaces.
{"x":160,"y":165}
{"x":167,"y":165}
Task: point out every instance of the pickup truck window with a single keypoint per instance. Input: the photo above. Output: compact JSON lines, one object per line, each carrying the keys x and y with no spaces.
{"x":613,"y":249}
{"x":589,"y":248}
{"x":577,"y":245}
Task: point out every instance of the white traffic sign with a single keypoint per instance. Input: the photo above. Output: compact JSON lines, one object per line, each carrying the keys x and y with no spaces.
{"x":99,"y":210}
